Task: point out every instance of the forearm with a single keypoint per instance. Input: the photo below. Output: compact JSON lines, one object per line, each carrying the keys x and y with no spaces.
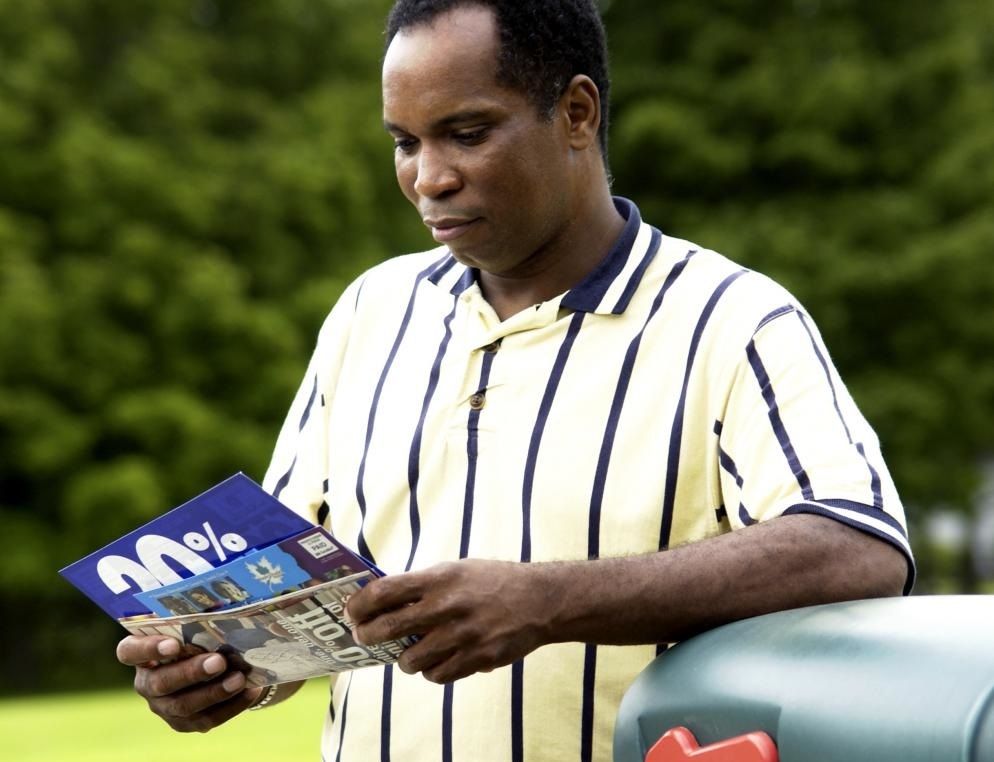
{"x":668,"y":596}
{"x":475,"y":615}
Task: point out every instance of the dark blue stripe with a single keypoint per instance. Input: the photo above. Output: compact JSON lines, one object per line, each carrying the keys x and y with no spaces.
{"x":447,"y":722}
{"x":828,"y":374}
{"x":539,"y":429}
{"x":744,"y":516}
{"x":818,"y":510}
{"x":414,"y":456}
{"x":600,"y":480}
{"x":472,"y":444}
{"x":676,"y":433}
{"x":341,"y":724}
{"x":472,"y":431}
{"x":878,"y":498}
{"x":438,"y":269}
{"x":587,"y":712}
{"x":466,"y":280}
{"x":633,"y":282}
{"x":614,"y":415}
{"x":726,"y":462}
{"x":517,"y":669}
{"x":310,"y":404}
{"x":766,"y":389}
{"x":588,"y":294}
{"x":385,"y":713}
{"x":865,"y":510}
{"x":443,"y":264}
{"x":517,"y":724}
{"x":878,"y":501}
{"x":785,"y":310}
{"x":285,"y":479}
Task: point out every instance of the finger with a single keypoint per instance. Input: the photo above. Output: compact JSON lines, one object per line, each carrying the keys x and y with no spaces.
{"x":204,"y":708}
{"x":451,"y":669}
{"x":134,"y":651}
{"x":424,"y":656}
{"x":413,"y":619}
{"x":178,"y":676}
{"x":385,"y":593}
{"x":221,"y":713}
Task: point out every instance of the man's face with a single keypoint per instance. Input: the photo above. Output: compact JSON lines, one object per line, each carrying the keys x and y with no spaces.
{"x":488,"y":174}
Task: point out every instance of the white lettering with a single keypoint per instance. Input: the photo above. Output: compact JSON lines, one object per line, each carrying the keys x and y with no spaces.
{"x":153,"y":548}
{"x":112,"y":571}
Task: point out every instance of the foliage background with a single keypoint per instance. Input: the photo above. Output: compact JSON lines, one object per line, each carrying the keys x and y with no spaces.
{"x":187,"y":185}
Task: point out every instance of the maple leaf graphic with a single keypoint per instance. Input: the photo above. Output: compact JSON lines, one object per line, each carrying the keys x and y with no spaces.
{"x":266,"y":572}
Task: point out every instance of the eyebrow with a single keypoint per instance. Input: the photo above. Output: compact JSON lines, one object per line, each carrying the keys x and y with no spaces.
{"x":459,"y":117}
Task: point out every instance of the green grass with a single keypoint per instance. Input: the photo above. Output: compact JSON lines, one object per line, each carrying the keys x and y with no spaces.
{"x":116,"y":726}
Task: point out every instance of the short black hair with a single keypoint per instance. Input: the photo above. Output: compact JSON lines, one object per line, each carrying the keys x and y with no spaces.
{"x":543,"y":45}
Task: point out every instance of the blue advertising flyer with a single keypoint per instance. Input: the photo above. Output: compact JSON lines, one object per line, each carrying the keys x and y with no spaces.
{"x":308,"y":558}
{"x":228,"y":521}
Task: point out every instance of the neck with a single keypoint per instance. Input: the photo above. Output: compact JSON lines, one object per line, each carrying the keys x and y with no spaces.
{"x":583,"y":243}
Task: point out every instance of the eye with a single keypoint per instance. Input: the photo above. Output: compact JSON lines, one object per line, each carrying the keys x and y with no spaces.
{"x":471,"y":137}
{"x":404,"y":145}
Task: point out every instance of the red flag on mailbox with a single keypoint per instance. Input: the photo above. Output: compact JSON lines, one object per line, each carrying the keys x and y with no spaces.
{"x":679,"y":745}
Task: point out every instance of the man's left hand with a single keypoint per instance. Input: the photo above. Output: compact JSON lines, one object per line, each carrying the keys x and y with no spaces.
{"x":471,"y":616}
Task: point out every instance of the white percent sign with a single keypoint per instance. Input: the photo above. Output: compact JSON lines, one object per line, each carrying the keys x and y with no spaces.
{"x":231,"y":541}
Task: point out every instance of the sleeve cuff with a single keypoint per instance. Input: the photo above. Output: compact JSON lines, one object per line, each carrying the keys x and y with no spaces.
{"x":866,"y":518}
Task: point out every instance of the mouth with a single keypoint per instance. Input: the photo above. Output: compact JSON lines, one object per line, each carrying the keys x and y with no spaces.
{"x":448,"y":229}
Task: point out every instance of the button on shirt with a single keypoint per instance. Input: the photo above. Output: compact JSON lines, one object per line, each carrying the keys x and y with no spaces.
{"x":670,"y":397}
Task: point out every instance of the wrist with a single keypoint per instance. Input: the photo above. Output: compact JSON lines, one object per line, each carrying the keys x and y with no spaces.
{"x":556,"y":612}
{"x":266,"y":698}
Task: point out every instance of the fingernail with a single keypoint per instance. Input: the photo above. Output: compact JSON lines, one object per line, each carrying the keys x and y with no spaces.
{"x":233,"y":682}
{"x":168,"y":647}
{"x":214,"y":664}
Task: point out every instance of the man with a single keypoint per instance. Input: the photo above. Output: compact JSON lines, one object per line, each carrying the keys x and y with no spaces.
{"x":547,"y":428}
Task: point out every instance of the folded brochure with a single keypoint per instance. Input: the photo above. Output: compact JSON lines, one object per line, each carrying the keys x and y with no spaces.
{"x":236,"y":571}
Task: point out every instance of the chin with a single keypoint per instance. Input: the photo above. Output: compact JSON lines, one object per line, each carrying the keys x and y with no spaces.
{"x":467,"y":258}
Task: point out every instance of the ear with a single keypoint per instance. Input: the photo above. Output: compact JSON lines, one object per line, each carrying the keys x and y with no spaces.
{"x":581,"y":104}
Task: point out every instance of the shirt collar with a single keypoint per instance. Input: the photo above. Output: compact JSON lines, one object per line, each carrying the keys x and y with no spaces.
{"x":606,"y":290}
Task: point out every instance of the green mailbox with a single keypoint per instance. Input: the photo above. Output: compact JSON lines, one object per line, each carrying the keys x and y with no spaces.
{"x":889,"y":680}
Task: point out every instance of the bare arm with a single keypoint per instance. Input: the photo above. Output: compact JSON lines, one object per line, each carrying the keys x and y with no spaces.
{"x":477,"y":615}
{"x":190,"y":691}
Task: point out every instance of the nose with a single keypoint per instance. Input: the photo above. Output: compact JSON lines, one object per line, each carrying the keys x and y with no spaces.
{"x":437,"y":176}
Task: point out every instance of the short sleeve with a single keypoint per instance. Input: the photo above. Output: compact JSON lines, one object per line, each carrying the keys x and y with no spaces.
{"x":793,"y":441}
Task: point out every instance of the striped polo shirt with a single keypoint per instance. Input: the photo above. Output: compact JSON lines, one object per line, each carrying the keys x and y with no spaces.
{"x":669,"y":397}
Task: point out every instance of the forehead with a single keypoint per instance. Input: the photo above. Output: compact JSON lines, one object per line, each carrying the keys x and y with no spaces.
{"x":453,"y":58}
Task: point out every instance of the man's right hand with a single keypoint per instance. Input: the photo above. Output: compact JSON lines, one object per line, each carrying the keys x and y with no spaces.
{"x":193,"y":692}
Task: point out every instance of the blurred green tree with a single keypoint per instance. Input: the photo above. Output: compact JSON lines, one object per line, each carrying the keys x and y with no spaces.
{"x":185,"y":188}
